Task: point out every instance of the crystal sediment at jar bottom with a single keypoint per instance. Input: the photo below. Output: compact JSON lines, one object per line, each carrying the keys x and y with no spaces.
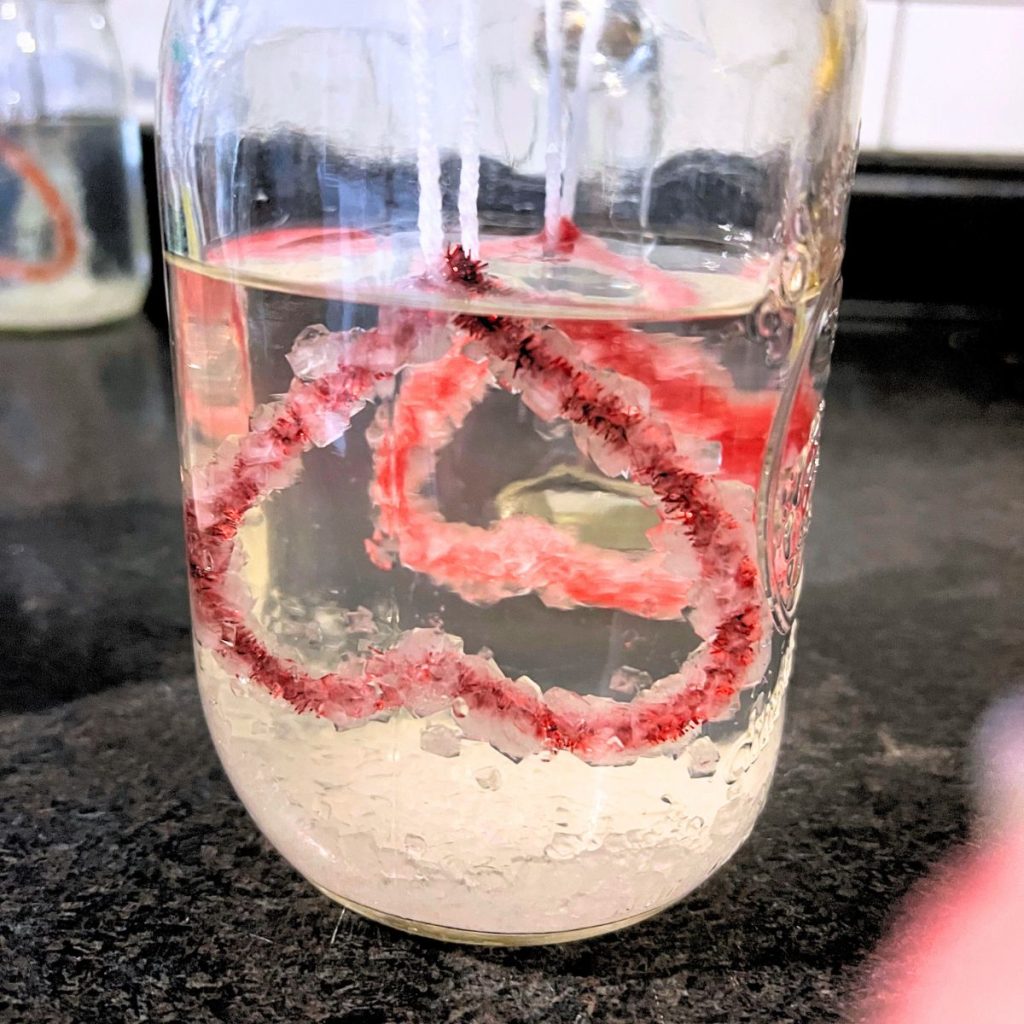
{"x":411,"y":820}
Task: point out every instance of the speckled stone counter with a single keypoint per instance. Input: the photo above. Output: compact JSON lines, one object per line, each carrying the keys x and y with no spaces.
{"x":134,"y":888}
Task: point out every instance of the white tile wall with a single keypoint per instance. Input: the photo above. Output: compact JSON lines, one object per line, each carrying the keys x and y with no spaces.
{"x":959,"y":80}
{"x":881,"y":39}
{"x":139,"y":25}
{"x":942,"y":76}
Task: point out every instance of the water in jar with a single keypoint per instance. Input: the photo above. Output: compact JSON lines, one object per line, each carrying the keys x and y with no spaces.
{"x":481,"y":632}
{"x":73,"y":246}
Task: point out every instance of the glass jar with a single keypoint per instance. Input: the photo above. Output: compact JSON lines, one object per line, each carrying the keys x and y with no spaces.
{"x":501,"y":334}
{"x":73,"y":243}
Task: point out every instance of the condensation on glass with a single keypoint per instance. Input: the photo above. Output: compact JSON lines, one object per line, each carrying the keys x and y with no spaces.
{"x":501,"y":332}
{"x":73,"y":245}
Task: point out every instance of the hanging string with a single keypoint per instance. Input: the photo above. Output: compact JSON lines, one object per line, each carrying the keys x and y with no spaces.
{"x":580,"y":104}
{"x":553,"y":163}
{"x":469,"y":148}
{"x":428,"y":161}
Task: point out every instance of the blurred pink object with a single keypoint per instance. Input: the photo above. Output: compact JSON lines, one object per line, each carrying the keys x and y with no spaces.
{"x":958,"y":952}
{"x":958,"y":955}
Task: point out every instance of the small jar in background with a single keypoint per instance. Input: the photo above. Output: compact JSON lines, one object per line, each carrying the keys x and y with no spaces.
{"x":73,"y":243}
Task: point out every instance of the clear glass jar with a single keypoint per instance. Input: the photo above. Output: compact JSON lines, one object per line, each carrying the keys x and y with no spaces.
{"x":73,"y":243}
{"x":501,"y":334}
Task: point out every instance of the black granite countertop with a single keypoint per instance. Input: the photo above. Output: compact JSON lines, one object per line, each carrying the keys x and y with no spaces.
{"x":134,"y":888}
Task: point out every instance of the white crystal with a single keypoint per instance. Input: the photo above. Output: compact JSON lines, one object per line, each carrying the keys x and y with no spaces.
{"x":629,"y":681}
{"x":488,"y":778}
{"x":702,"y":758}
{"x":316,"y":351}
{"x":441,"y":740}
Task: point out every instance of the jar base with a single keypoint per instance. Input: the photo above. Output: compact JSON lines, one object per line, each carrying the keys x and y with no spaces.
{"x":463,"y":937}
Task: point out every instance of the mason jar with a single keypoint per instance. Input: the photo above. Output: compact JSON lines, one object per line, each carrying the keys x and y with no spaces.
{"x":73,"y":245}
{"x":501,"y":337}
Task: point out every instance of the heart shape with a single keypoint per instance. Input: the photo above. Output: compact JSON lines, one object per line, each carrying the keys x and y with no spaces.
{"x":66,"y":250}
{"x":427,"y":670}
{"x":515,"y":556}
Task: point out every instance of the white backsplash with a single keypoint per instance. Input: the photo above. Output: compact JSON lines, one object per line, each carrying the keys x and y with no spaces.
{"x":943,"y":76}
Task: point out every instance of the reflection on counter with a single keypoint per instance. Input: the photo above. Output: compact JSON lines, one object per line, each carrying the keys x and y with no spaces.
{"x":87,"y":417}
{"x":92,"y":582}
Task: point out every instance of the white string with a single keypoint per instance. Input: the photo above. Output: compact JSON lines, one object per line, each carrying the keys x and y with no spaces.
{"x":553,"y":163}
{"x":580,"y":104}
{"x":428,"y":161}
{"x":469,"y":149}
